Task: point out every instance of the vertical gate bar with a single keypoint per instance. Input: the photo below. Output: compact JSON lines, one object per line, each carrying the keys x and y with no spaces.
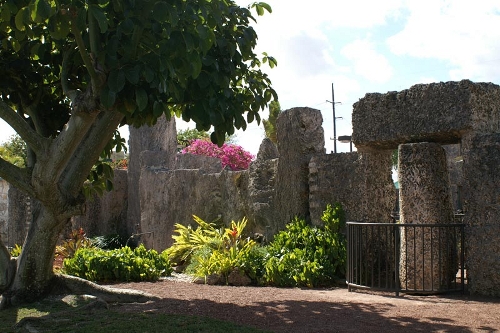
{"x":348,"y":270}
{"x":440,"y":259}
{"x":432,"y":261}
{"x":379,"y":258}
{"x":397,"y":241}
{"x":360,"y":255}
{"x":372,"y":256}
{"x":423,"y":257}
{"x":462,"y":257}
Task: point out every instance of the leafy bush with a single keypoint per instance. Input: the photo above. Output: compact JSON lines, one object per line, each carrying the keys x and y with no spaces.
{"x":122,"y":264}
{"x":77,"y":239}
{"x":209,"y":250}
{"x":231,"y":155}
{"x":190,"y":240}
{"x":304,"y":255}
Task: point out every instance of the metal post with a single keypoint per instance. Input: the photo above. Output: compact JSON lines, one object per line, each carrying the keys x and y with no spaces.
{"x":334,"y":126}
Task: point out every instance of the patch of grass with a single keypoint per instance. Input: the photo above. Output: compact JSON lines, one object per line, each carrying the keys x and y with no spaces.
{"x":68,"y":314}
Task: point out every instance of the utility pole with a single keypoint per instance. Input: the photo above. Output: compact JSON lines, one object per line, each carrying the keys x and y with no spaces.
{"x":334,"y":121}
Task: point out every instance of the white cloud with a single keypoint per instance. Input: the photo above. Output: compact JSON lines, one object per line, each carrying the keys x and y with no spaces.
{"x":465,"y":34}
{"x":367,"y":62}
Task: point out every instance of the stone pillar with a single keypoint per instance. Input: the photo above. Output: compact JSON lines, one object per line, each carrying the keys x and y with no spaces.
{"x":261,"y":189}
{"x":160,"y":137}
{"x":300,"y":137}
{"x":428,"y":256}
{"x":481,"y":170}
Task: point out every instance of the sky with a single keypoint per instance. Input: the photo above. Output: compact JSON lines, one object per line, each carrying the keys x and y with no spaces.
{"x":366,"y":46}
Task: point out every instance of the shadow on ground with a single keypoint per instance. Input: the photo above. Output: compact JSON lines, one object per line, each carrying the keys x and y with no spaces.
{"x":300,"y":316}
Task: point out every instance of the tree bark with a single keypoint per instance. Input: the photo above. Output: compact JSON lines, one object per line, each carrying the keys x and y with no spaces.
{"x":34,"y":266}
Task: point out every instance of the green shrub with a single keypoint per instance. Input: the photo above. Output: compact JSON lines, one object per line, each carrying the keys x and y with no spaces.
{"x":304,"y":255}
{"x":190,"y":240}
{"x":208,"y":250}
{"x":122,"y":264}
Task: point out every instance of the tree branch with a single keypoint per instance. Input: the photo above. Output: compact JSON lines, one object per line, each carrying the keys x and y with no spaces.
{"x":18,"y":177}
{"x":85,"y":56}
{"x":35,"y":141}
{"x":89,"y":150}
{"x":71,"y":94}
{"x":67,"y":142}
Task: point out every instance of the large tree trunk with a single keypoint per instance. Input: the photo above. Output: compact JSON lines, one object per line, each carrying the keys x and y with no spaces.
{"x":34,"y":267}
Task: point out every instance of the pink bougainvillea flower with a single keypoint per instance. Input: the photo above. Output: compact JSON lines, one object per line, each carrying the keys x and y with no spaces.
{"x":232,"y":156}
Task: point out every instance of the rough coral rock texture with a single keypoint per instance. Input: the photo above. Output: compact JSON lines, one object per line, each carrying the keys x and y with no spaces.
{"x":437,"y":112}
{"x":106,"y":215}
{"x":481,"y":161}
{"x":427,"y":255}
{"x":160,"y":137}
{"x":361,"y":182}
{"x":300,"y":136}
{"x":261,"y":189}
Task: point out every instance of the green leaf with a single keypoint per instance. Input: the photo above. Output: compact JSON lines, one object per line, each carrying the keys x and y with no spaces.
{"x":21,"y":19}
{"x":100,"y":17}
{"x":59,"y":26}
{"x":196,"y":65}
{"x":141,"y":98}
{"x":40,"y":11}
{"x":108,"y":97}
{"x":5,"y":13}
{"x":132,"y":74}
{"x":116,"y":80}
{"x":160,"y":11}
{"x":157,"y":109}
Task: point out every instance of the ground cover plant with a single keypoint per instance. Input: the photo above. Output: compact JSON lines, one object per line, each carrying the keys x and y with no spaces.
{"x":210,"y":249}
{"x":123,"y":264}
{"x":299,"y":256}
{"x":308,"y":256}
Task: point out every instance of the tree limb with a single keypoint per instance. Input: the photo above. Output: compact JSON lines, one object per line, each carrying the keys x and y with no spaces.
{"x":71,"y":94}
{"x":67,"y":142}
{"x":16,"y":176}
{"x":36,"y":142}
{"x":89,"y":150}
{"x":85,"y":56}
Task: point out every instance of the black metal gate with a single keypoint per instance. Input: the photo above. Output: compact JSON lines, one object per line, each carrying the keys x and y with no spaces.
{"x":411,"y":258}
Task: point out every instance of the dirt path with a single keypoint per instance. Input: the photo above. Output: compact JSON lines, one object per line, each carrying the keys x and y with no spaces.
{"x":325,"y":310}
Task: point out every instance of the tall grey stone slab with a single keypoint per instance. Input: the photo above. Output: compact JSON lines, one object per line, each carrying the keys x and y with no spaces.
{"x":428,"y":256}
{"x":160,"y":137}
{"x":261,"y":189}
{"x":360,"y":181}
{"x":436,"y":112}
{"x":174,"y":196}
{"x":454,"y":160}
{"x":481,"y":170}
{"x":300,"y":136}
{"x":107,"y":214}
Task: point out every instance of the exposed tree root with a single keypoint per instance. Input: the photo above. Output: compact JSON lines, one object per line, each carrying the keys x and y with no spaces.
{"x":67,"y":284}
{"x":70,"y":285}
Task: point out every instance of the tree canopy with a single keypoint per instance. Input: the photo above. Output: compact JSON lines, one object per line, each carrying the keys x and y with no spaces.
{"x":270,"y":123}
{"x":73,"y":71}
